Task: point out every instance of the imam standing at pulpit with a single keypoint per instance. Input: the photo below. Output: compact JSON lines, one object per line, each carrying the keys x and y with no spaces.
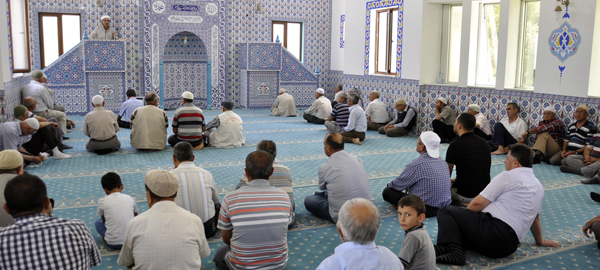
{"x":104,"y":31}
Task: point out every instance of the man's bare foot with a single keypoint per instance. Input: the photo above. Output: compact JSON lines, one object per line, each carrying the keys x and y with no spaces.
{"x":356,"y":141}
{"x":498,"y":152}
{"x":200,"y":146}
{"x":329,"y":129}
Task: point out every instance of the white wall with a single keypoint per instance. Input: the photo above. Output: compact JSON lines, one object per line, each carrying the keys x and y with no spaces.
{"x":337,"y":53}
{"x":575,"y":80}
{"x":5,"y":74}
{"x":413,"y":26}
{"x":354,"y":51}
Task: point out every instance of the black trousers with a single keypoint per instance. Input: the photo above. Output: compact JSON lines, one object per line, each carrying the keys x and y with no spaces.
{"x":393,"y":196}
{"x":446,"y":132}
{"x":45,"y":135}
{"x":123,"y":124}
{"x":478,"y":231}
{"x":173,"y":140}
{"x":210,"y":226}
{"x":482,"y":134}
{"x":313,"y":119}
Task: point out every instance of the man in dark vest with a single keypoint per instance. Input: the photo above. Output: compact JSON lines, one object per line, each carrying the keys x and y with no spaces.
{"x":404,"y":120}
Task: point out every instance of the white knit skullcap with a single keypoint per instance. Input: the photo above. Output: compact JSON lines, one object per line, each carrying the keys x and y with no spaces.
{"x":33,"y":123}
{"x":550,"y":109}
{"x":104,"y":17}
{"x":97,"y":100}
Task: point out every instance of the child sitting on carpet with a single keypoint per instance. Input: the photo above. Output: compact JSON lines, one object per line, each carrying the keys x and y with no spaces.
{"x":417,"y":249}
{"x":115,"y":211}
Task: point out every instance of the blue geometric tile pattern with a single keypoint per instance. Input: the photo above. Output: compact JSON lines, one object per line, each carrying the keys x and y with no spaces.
{"x":104,"y":56}
{"x":68,"y":70}
{"x":295,"y":71}
{"x":265,"y":56}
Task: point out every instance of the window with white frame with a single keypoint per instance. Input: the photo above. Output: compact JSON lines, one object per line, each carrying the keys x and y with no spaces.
{"x":386,"y":40}
{"x":451,"y":38}
{"x":19,"y":36}
{"x":528,"y":41}
{"x":487,"y":44}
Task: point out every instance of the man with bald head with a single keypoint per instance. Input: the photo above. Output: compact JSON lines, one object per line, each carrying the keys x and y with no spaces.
{"x":358,"y":224}
{"x":149,"y":125}
{"x":44,"y":101}
{"x":284,"y":105}
{"x":101,"y":126}
{"x":104,"y":31}
{"x":341,"y":178}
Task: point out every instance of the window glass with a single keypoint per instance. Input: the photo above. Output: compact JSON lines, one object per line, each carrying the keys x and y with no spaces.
{"x":19,"y":35}
{"x":487,"y":49}
{"x":50,"y":39}
{"x":530,"y":41}
{"x":454,"y":39}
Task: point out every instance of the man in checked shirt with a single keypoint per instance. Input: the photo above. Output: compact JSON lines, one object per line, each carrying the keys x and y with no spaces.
{"x":38,"y":241}
{"x":549,"y":136}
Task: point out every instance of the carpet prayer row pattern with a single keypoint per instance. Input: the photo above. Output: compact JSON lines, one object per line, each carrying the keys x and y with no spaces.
{"x":75,"y":185}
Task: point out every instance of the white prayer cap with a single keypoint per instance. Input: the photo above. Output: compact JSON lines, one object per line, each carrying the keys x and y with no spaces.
{"x":550,"y":109}
{"x":432,"y":143}
{"x":321,"y":91}
{"x":97,"y":100}
{"x":282,"y":91}
{"x":443,"y":100}
{"x":33,"y":123}
{"x":187,"y":95}
{"x":104,"y":17}
{"x":474,"y":107}
{"x":376,"y":93}
{"x":10,"y":159}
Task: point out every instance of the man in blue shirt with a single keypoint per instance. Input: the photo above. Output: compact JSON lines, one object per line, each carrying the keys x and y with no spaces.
{"x":127,"y":108}
{"x":427,"y":177}
{"x":358,"y":224}
{"x":354,"y":132}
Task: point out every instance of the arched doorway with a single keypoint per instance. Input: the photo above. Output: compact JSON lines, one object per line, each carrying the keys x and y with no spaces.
{"x":185,"y":68}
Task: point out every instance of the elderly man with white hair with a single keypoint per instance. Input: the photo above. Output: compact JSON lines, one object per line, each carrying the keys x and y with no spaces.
{"x":101,"y":126}
{"x":358,"y":224}
{"x":482,"y":124}
{"x":320,"y":110}
{"x":45,"y":102}
{"x":404,"y":120}
{"x":377,"y":116}
{"x":28,"y":137}
{"x":104,"y":31}
{"x":549,"y":136}
{"x":284,"y":105}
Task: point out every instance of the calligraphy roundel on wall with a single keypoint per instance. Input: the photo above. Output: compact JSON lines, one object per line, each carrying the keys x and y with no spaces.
{"x":211,"y":9}
{"x":158,"y":7}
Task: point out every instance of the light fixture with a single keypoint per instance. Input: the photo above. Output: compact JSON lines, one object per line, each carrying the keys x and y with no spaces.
{"x":185,"y":40}
{"x":561,"y":2}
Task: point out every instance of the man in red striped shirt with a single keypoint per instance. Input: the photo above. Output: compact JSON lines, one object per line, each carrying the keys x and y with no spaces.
{"x":188,"y":123}
{"x":254,"y":221}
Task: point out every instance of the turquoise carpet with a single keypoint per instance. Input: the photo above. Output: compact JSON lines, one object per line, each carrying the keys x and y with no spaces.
{"x":75,"y":185}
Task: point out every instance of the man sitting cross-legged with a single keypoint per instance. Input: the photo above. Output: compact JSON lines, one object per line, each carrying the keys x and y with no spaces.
{"x":377,"y":115}
{"x":319,"y":110}
{"x":149,"y":125}
{"x":188,"y":123}
{"x":197,"y":189}
{"x":404,"y":120}
{"x":577,"y":135}
{"x":358,"y":225}
{"x":497,"y":220}
{"x":228,"y":130}
{"x":339,"y":114}
{"x":102,"y":127}
{"x":127,"y":108}
{"x":354,"y":132}
{"x":427,"y":177}
{"x":254,"y":221}
{"x":341,"y":178}
{"x":284,"y":105}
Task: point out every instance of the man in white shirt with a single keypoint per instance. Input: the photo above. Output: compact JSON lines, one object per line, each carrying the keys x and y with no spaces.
{"x":104,"y":31}
{"x":498,"y":219}
{"x":101,"y":126}
{"x":197,"y":188}
{"x":321,"y":108}
{"x":482,"y":125}
{"x":377,"y":116}
{"x":354,"y":132}
{"x":509,"y":130}
{"x":45,"y":102}
{"x":228,"y":131}
{"x":166,"y":236}
{"x":358,"y":225}
{"x":338,"y":91}
{"x":284,"y":105}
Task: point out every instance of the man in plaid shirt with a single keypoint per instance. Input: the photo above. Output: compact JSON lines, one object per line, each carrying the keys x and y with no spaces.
{"x":37,"y":241}
{"x":549,"y":139}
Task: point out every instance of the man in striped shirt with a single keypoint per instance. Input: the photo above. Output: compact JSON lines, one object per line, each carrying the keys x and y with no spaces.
{"x":254,"y":221}
{"x":587,"y":165}
{"x":188,"y":123}
{"x":281,"y":177}
{"x":339,"y":114}
{"x":577,"y":135}
{"x":197,"y":189}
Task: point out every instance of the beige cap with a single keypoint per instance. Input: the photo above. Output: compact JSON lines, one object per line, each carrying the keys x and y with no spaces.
{"x":281,"y":91}
{"x":474,"y":107}
{"x":400,"y":101}
{"x":587,"y":110}
{"x":10,"y":159}
{"x":162,"y":183}
{"x":187,"y":95}
{"x":37,"y":74}
{"x":376,"y":93}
